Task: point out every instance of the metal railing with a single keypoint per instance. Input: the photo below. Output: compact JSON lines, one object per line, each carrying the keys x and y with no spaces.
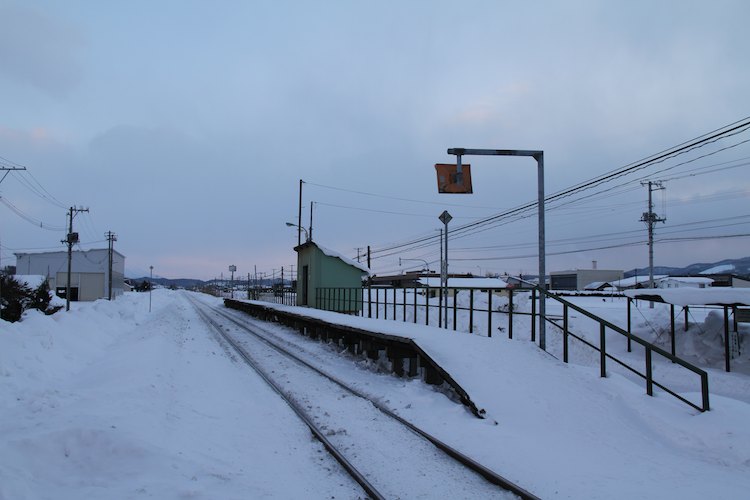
{"x":286,"y":296}
{"x":384,"y":303}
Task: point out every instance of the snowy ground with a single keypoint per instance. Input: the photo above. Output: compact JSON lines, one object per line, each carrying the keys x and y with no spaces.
{"x":109,"y":401}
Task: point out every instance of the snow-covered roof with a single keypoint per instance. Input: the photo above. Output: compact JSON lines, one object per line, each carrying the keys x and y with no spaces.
{"x":724,"y":268}
{"x":594,"y":285}
{"x":634,"y":280}
{"x":347,"y":260}
{"x":481,"y":283}
{"x":689,"y":279}
{"x":695,"y":296}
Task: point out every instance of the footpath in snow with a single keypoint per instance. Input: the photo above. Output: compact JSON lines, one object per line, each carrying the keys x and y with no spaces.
{"x":109,"y":401}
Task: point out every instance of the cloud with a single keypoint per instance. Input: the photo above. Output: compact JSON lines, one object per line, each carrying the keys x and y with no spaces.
{"x":38,"y":50}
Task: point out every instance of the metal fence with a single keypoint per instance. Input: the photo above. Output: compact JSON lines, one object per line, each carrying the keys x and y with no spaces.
{"x":498,"y":307}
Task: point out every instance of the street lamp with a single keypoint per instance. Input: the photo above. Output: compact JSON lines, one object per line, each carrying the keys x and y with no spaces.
{"x":292,"y":224}
{"x":539,"y":157}
{"x":426,"y":266}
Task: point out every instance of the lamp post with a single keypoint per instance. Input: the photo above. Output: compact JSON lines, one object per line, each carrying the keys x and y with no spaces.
{"x":292,"y":224}
{"x":539,"y":157}
{"x":426,"y":266}
{"x":150,"y":285}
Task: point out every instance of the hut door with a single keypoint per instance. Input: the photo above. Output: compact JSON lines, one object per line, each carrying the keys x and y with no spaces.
{"x":305,"y":285}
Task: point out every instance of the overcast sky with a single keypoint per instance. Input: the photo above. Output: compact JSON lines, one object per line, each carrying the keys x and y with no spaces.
{"x":186,"y":126}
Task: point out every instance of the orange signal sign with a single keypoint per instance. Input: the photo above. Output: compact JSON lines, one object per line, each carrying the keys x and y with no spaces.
{"x":450,"y":181}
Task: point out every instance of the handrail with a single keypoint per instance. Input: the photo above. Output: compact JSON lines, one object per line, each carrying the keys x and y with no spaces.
{"x":352,"y":300}
{"x":649,"y":347}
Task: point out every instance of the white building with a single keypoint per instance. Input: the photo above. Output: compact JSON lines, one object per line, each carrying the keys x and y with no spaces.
{"x":89,"y":276}
{"x":684,"y":282}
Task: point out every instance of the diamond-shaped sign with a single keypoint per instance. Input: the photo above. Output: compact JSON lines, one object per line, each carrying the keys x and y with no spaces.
{"x":445,"y":217}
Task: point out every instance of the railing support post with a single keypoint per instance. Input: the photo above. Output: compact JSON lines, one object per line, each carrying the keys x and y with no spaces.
{"x":404,"y":305}
{"x":533,"y":314}
{"x":489,"y":313}
{"x":565,"y":333}
{"x":510,"y":313}
{"x":427,"y":306}
{"x":603,"y":350}
{"x":415,"y":304}
{"x":471,"y":310}
{"x":649,"y":373}
{"x":726,"y":338}
{"x":629,"y":331}
{"x":671,"y":329}
{"x":455,"y":294}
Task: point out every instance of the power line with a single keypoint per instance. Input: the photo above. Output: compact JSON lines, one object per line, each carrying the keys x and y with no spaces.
{"x":409,"y":200}
{"x":29,"y":218}
{"x":701,"y":141}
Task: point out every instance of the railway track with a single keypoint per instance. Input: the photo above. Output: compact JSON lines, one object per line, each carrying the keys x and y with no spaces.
{"x":388,"y":456}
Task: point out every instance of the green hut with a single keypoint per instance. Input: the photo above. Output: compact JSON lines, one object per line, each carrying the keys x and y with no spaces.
{"x":328,"y":280}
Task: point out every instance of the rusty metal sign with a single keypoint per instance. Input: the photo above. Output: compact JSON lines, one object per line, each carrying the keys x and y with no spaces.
{"x":450,"y":181}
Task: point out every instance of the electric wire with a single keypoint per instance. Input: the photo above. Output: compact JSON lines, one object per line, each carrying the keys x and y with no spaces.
{"x":660,"y":157}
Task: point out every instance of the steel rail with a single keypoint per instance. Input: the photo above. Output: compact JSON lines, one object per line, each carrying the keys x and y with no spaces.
{"x":463,"y":459}
{"x":335,"y":453}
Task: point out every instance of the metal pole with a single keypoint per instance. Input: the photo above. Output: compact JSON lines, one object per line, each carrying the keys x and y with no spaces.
{"x":70,"y":258}
{"x":446,"y":275}
{"x":299,"y":216}
{"x":150,"y":285}
{"x":542,"y":252}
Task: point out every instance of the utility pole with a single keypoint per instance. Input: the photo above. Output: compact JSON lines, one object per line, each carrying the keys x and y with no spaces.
{"x":111,"y":238}
{"x":358,"y":249}
{"x":70,"y":240}
{"x":650,"y":218}
{"x":299,"y":215}
{"x":7,"y":171}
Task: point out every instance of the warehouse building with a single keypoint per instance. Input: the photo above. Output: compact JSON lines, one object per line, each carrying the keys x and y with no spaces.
{"x":89,"y":276}
{"x":580,"y":278}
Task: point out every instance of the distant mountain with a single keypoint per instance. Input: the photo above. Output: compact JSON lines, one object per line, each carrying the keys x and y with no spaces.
{"x":740,"y":267}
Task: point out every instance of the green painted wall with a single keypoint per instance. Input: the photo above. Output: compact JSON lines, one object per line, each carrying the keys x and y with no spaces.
{"x":326,"y":272}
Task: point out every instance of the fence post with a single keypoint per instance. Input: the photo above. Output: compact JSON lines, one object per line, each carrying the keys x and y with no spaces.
{"x":726,"y":338}
{"x":489,"y":313}
{"x":686,"y":318}
{"x":369,"y":299}
{"x":385,"y":303}
{"x":455,"y":294}
{"x":533,"y":314}
{"x":377,"y":303}
{"x":415,"y":304}
{"x":394,"y":304}
{"x":704,"y":390}
{"x":649,"y":373}
{"x":602,"y":350}
{"x":565,"y":333}
{"x":404,"y":305}
{"x":427,"y":306}
{"x":629,"y":332}
{"x":440,"y":308}
{"x":671,"y":329}
{"x":510,"y":313}
{"x":471,"y":310}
